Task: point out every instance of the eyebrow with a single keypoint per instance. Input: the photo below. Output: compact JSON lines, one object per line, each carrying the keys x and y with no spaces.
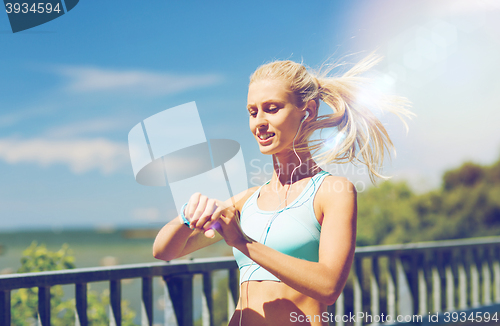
{"x":268,"y":102}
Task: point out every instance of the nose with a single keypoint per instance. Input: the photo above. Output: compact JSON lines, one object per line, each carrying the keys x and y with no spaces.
{"x":260,"y":119}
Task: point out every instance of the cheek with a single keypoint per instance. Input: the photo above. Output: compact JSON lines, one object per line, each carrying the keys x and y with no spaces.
{"x":251,"y":126}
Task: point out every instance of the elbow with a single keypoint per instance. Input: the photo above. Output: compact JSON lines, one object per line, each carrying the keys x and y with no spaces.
{"x":330,"y":293}
{"x":157,"y":254}
{"x":161,"y":255}
{"x":330,"y":298}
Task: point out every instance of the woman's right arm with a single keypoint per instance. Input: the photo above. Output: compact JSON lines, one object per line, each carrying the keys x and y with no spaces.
{"x":176,"y":239}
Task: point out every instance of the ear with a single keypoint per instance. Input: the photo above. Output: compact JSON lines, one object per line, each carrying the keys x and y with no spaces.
{"x":312,"y":108}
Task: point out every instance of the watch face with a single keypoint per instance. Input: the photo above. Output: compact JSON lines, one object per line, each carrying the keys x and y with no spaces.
{"x":27,"y":14}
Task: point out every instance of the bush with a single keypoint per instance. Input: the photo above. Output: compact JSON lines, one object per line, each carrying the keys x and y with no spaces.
{"x":37,"y":258}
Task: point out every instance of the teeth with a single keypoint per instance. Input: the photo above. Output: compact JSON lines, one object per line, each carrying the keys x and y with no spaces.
{"x":266,"y":136}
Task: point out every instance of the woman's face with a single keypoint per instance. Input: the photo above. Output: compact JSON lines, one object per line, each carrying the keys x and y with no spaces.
{"x":274,"y":117}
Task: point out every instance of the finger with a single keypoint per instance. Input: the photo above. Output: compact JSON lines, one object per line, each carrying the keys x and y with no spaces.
{"x":192,"y":204}
{"x":210,"y":233}
{"x":213,"y":218}
{"x":220,"y":203}
{"x":202,"y":203}
{"x":210,"y":207}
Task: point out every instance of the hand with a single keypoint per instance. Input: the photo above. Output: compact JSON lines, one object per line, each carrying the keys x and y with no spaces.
{"x":210,"y":214}
{"x":203,"y":213}
{"x":230,"y":229}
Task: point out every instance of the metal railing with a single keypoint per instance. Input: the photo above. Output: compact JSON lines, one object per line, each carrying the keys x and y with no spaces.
{"x":415,"y":283}
{"x":422,"y":283}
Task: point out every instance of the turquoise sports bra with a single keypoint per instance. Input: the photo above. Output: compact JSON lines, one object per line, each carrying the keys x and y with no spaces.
{"x":295,"y":231}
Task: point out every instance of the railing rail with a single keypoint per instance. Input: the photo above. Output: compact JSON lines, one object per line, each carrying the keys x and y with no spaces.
{"x":396,"y":280}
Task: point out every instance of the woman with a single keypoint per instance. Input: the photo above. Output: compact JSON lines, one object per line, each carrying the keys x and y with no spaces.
{"x":293,"y":237}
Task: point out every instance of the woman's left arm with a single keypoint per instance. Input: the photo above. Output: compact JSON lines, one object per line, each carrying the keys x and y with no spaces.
{"x":325,"y":279}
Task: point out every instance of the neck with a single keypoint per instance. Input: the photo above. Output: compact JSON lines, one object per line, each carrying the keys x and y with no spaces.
{"x":291,"y":167}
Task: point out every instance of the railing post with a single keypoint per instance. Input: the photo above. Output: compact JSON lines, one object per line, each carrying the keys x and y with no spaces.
{"x":487,"y":271}
{"x":331,"y":312}
{"x":468,"y":263}
{"x":81,"y":318}
{"x":439,"y":282}
{"x":180,"y":288}
{"x":450,"y":281}
{"x":436,"y":289}
{"x":415,"y":262}
{"x":44,"y":305}
{"x":147,"y":301}
{"x":422,"y":289}
{"x":358,"y":292}
{"x":115,"y":300}
{"x":428,"y":272}
{"x":169,"y":318}
{"x":339,"y":310}
{"x":391,"y":287}
{"x":207,"y":300}
{"x":5,"y":308}
{"x":374,"y":288}
{"x":233,"y":289}
{"x":455,"y":263}
{"x":462,"y":280}
{"x":405,"y":299}
{"x":496,"y":268}
{"x":474,"y":278}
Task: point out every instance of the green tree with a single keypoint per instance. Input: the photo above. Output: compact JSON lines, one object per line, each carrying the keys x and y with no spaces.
{"x":386,"y":214}
{"x":467,"y":175}
{"x":467,"y":205}
{"x":37,"y":258}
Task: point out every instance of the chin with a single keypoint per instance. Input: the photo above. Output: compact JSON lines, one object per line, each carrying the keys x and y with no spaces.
{"x":266,"y":152}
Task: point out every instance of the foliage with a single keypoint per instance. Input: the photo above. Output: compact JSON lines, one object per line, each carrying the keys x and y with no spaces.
{"x":98,"y":305}
{"x":37,"y":258}
{"x":467,"y":205}
{"x":24,"y":301}
{"x":385,"y":214}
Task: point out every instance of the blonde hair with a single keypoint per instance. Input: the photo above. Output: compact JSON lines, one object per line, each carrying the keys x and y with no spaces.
{"x":365,"y":138}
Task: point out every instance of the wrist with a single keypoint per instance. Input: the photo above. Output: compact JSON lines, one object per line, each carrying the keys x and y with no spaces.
{"x":242,"y":244}
{"x":182,"y":217}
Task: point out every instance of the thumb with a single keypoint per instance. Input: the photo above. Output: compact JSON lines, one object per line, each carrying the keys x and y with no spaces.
{"x":210,"y":233}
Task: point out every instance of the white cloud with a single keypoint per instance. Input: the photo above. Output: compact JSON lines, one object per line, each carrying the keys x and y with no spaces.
{"x":138,"y":82}
{"x":88,"y":127}
{"x":79,"y":155}
{"x":17,"y":115}
{"x":146,"y":214}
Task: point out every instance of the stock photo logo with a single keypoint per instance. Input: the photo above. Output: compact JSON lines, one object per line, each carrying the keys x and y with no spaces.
{"x":27,"y":14}
{"x":170,"y":148}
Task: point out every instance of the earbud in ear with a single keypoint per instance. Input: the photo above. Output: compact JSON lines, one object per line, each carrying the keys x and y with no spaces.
{"x":305,"y":117}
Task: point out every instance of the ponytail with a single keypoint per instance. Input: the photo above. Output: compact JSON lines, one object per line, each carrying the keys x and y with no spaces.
{"x":361,"y":136}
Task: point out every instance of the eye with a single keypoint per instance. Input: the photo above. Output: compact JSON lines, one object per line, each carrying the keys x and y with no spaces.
{"x":252,"y":113}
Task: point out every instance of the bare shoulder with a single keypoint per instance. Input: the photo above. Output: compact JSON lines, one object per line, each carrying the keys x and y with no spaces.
{"x":239,"y":200}
{"x":336,"y":192}
{"x":335,"y":185}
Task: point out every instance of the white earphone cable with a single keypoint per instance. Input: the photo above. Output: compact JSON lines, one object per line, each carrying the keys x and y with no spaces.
{"x":273,"y":216}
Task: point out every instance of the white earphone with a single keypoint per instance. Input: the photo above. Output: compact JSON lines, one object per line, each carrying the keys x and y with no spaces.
{"x":305,"y":117}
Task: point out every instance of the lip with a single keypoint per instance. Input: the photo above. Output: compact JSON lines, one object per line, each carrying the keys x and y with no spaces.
{"x":263,"y":142}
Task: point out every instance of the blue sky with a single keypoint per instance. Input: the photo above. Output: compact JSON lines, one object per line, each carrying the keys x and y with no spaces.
{"x":71,"y":90}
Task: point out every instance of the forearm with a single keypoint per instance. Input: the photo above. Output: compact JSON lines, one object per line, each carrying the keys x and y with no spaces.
{"x":314,"y":279}
{"x":171,"y":240}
